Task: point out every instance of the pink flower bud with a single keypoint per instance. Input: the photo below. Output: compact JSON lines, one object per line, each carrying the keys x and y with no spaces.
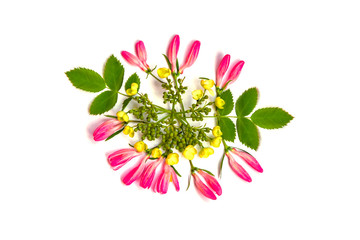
{"x":106,"y":129}
{"x":133,"y":60}
{"x":222,"y":68}
{"x":234,"y":74}
{"x":191,"y":56}
{"x":203,"y":189}
{"x":248,"y":158}
{"x":211,"y":181}
{"x":141,"y":53}
{"x":238,"y":170}
{"x":173,"y":51}
{"x":136,"y":172}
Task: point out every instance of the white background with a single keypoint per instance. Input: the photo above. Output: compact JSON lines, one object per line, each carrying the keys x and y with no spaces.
{"x":303,"y":56}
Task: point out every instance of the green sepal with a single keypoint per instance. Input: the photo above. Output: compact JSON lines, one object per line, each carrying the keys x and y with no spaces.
{"x":227,"y":128}
{"x":111,"y":116}
{"x":246,"y":103}
{"x":86,"y":79}
{"x":132,"y":79}
{"x":167,"y":61}
{"x":125,"y":103}
{"x":248,"y":133}
{"x":177,"y":65}
{"x":221,"y":164}
{"x":271,"y":118}
{"x":207,"y":171}
{"x":114,"y":134}
{"x":177,"y":173}
{"x":113,"y":73}
{"x":229,"y":103}
{"x":103,"y":102}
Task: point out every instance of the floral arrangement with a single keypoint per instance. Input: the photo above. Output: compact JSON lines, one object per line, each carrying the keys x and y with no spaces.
{"x":173,"y":129}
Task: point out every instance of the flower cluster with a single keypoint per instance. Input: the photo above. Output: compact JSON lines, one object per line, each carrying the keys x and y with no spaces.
{"x":173,"y":123}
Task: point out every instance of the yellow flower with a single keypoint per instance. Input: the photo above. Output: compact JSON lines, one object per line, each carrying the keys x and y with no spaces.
{"x":122,"y":116}
{"x":189,"y":152}
{"x":172,"y":159}
{"x":132,"y":90}
{"x":156,"y":153}
{"x":206,"y":152}
{"x":129,"y":131}
{"x":219,"y":103}
{"x":140,"y":146}
{"x":163,"y":72}
{"x":197,"y":94}
{"x":208,"y":84}
{"x":216,"y":142}
{"x":216,"y":131}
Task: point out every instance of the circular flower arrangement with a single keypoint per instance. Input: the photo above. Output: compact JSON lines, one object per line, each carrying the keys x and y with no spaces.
{"x":173,"y":124}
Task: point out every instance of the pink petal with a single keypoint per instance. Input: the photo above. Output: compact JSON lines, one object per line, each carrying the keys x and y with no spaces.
{"x":203,"y":189}
{"x":174,"y":179}
{"x":162,"y":184}
{"x":234,"y":73}
{"x":121,"y":157}
{"x":191,"y":56}
{"x":149,"y":172}
{"x":212,"y":182}
{"x":249,"y":159}
{"x":239,"y":170}
{"x":222,"y":68}
{"x":141,"y":53}
{"x":106,"y":129}
{"x":173,"y":51}
{"x":135,"y":173}
{"x":132,"y":59}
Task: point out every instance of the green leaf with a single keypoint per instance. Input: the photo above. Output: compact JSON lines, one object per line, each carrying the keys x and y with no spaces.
{"x":246,"y":103}
{"x":229,"y":103}
{"x":132,"y":79}
{"x":86,"y":79}
{"x":125,"y":103}
{"x":271,"y":118}
{"x":227,"y":128}
{"x":248,"y":133}
{"x":103,"y":102}
{"x":113,"y":73}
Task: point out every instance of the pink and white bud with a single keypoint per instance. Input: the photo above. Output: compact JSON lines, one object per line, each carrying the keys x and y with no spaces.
{"x":238,"y":170}
{"x":222,"y":68}
{"x":173,"y":51}
{"x":211,"y":181}
{"x":203,"y":189}
{"x":248,"y":158}
{"x":136,"y":172}
{"x":191,"y":56}
{"x":107,"y":128}
{"x":133,"y":60}
{"x":234,"y":74}
{"x":141,"y":53}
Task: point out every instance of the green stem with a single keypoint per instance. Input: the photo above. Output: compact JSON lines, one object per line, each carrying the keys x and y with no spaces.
{"x":156,"y":77}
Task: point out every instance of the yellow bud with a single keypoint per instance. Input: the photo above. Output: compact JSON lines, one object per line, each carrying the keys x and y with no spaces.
{"x":140,"y":146}
{"x":219,"y":103}
{"x":132,"y":90}
{"x":131,"y":133}
{"x":172,"y":159}
{"x":216,"y":142}
{"x":163,"y":72}
{"x":189,"y":152}
{"x":207,"y":84}
{"x":216,"y":131}
{"x":127,"y":130}
{"x":197,"y":94}
{"x":206,"y":152}
{"x":156,"y":153}
{"x":122,"y":116}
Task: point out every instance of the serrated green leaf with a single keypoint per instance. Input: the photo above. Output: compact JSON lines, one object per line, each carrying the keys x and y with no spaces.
{"x":227,"y":128}
{"x":229,"y":102}
{"x":103,"y":102}
{"x":125,"y":103}
{"x":246,"y":103}
{"x":248,"y":133}
{"x":132,"y":79}
{"x":271,"y":118}
{"x":113,"y":73}
{"x":86,"y":79}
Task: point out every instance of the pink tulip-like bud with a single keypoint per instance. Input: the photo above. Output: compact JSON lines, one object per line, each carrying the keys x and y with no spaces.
{"x":238,"y":170}
{"x":167,"y":174}
{"x":234,"y":74}
{"x":149,"y":172}
{"x":248,"y":158}
{"x":212,"y":182}
{"x":191,"y":56}
{"x":106,"y":129}
{"x":173,"y":51}
{"x":141,"y":53}
{"x":136,"y":172}
{"x":203,"y":189}
{"x":133,"y":60}
{"x":120,"y":157}
{"x":222,"y":68}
